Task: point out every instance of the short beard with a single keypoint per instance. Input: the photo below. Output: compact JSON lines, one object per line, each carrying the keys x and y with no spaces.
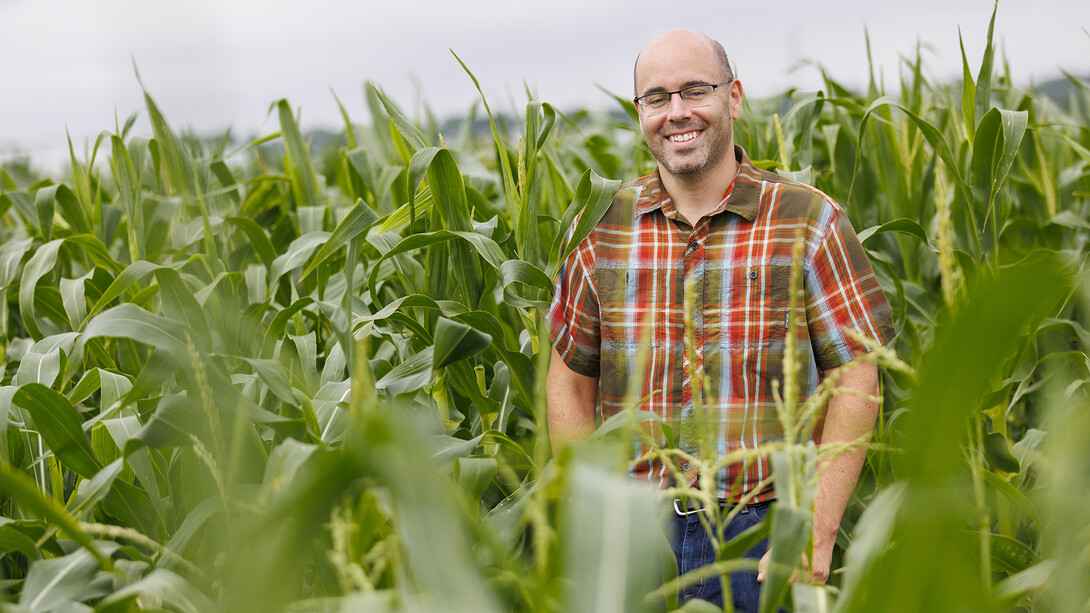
{"x":715,"y":154}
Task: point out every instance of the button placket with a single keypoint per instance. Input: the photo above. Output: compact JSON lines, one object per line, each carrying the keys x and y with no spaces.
{"x":694,"y":267}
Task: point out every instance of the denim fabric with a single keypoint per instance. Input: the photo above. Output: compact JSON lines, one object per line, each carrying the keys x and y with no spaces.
{"x":693,"y":549}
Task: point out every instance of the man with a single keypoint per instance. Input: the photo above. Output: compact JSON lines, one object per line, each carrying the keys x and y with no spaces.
{"x":709,"y":222}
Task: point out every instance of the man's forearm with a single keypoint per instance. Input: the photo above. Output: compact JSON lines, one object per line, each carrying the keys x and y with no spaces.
{"x":848,"y":418}
{"x":572,"y":399}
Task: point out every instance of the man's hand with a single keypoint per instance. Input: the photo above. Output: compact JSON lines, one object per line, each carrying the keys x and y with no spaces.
{"x":819,"y":574}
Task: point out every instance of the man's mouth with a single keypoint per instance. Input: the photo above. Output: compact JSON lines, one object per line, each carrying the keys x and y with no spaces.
{"x":681,"y":138}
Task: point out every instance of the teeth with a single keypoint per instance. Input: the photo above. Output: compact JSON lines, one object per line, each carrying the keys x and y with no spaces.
{"x":680,"y":138}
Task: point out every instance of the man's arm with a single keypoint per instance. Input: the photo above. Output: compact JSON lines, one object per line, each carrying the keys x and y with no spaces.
{"x":572,"y":398}
{"x":847,"y":419}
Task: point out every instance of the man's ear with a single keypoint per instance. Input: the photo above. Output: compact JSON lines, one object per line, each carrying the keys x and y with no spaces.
{"x":737,"y":95}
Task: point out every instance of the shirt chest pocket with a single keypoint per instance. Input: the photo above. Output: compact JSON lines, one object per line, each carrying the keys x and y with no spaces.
{"x":634,"y":306}
{"x":755,"y":306}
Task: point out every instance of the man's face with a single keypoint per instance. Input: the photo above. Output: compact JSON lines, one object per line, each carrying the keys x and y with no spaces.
{"x":687,"y":142}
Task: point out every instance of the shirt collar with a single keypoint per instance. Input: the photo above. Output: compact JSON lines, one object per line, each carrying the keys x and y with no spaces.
{"x":742,"y":198}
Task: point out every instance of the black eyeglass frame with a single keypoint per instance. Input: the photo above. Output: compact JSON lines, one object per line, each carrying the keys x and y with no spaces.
{"x":638,"y":100}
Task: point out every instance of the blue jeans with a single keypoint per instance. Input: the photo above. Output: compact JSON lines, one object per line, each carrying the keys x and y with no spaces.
{"x":693,"y":549}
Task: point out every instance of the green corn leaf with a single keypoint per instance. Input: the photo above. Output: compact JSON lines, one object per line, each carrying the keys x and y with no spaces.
{"x":113,"y":388}
{"x":176,"y":419}
{"x":932,"y":134}
{"x":456,"y":341}
{"x":399,"y":305}
{"x":439,"y":167}
{"x":22,"y":205}
{"x":74,"y":298}
{"x":872,"y":537}
{"x":275,"y":333}
{"x":39,"y":367}
{"x":627,"y":420}
{"x":180,"y":305}
{"x":297,"y":254}
{"x":71,"y":210}
{"x":997,"y":450}
{"x":39,"y":265}
{"x":905,"y":226}
{"x":132,"y":322}
{"x":19,"y":487}
{"x":128,"y":187}
{"x":176,"y":161}
{"x":510,"y":190}
{"x":607,"y":543}
{"x":593,"y":196}
{"x":409,"y":133}
{"x":132,"y":506}
{"x":357,"y":222}
{"x":160,"y":365}
{"x":350,"y":132}
{"x":45,"y":208}
{"x":52,"y":584}
{"x":60,"y":426}
{"x":88,"y":384}
{"x":484,"y":321}
{"x":968,"y":92}
{"x":304,"y":181}
{"x":1012,"y":555}
{"x":420,"y":205}
{"x":1016,"y":497}
{"x":226,"y":178}
{"x":410,"y":375}
{"x":93,"y":490}
{"x":791,"y":530}
{"x":474,"y":475}
{"x":515,"y":275}
{"x":167,"y":587}
{"x":92,"y":247}
{"x":739,"y":545}
{"x":983,"y":100}
{"x":1014,"y":588}
{"x":485,"y":247}
{"x":132,"y":275}
{"x":276,"y":377}
{"x":995,"y":146}
{"x":448,"y":191}
{"x":11,"y":255}
{"x":12,"y":539}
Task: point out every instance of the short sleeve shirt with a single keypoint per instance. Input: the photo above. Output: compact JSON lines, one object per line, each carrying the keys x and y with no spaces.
{"x":619,"y":314}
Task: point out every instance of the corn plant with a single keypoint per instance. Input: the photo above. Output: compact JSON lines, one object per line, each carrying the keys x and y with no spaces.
{"x":274,"y":375}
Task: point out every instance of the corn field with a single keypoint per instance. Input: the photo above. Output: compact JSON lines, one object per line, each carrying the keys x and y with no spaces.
{"x":290,"y":376}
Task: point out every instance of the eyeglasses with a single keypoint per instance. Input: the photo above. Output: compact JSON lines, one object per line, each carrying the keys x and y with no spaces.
{"x":695,"y":96}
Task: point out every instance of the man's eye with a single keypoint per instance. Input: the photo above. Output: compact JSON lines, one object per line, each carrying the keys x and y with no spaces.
{"x":696,"y":93}
{"x":656,"y":99}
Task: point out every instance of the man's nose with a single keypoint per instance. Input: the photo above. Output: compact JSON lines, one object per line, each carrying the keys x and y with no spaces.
{"x":677,"y":108}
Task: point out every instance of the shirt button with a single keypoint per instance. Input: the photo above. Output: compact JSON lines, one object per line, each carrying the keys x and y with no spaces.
{"x":688,"y":412}
{"x":684,"y":466}
{"x":753,"y":274}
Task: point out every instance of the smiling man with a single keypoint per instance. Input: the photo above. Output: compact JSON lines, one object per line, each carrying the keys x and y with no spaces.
{"x":710,"y":223}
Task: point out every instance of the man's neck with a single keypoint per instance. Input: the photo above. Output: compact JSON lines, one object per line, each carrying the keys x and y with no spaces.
{"x":695,"y":196}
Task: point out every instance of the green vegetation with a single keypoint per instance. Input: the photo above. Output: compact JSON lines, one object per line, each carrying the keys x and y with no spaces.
{"x":282,"y":378}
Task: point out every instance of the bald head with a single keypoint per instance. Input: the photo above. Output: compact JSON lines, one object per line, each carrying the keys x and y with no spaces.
{"x":681,"y":41}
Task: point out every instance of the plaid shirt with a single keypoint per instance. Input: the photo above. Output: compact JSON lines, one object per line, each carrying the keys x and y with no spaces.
{"x":622,"y":292}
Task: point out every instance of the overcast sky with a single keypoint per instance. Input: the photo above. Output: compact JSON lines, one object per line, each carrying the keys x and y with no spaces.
{"x":214,"y":64}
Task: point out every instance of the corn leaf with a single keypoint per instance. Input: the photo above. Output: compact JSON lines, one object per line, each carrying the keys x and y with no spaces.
{"x":60,"y":426}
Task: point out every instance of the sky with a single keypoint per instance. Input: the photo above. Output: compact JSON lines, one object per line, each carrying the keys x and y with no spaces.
{"x":69,"y":67}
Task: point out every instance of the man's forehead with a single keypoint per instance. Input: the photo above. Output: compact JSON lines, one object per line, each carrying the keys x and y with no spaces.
{"x":677,"y":56}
